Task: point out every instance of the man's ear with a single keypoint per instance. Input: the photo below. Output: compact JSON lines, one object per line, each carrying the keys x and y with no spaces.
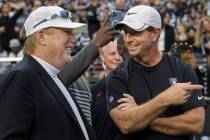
{"x":41,"y":38}
{"x":155,"y":35}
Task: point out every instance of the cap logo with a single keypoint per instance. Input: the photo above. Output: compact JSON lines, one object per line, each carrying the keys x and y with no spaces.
{"x":111,"y":99}
{"x":173,"y":81}
{"x":131,"y":13}
{"x":141,"y":27}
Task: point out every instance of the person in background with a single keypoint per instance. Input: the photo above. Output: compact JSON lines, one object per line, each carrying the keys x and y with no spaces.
{"x":141,"y":2}
{"x":186,"y":54}
{"x":181,"y":33}
{"x":92,"y":20}
{"x":16,"y":51}
{"x":36,"y":4}
{"x":120,"y":5}
{"x":110,"y":57}
{"x":15,"y":47}
{"x":101,"y":122}
{"x":167,"y":35}
{"x":191,"y":31}
{"x":202,"y":37}
{"x":7,"y":23}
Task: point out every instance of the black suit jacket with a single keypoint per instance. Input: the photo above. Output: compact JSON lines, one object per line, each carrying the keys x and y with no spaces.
{"x":32,"y":107}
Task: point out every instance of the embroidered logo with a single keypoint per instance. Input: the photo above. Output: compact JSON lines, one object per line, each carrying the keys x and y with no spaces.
{"x":200,"y":97}
{"x":172,"y":81}
{"x":98,"y":94}
{"x":111,"y":98}
{"x":131,"y":13}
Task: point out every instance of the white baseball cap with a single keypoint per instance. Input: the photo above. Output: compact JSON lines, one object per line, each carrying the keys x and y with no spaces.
{"x":141,"y":17}
{"x":51,"y":16}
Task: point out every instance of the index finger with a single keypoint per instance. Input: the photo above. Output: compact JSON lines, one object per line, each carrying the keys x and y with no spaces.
{"x":193,"y":87}
{"x":122,"y":100}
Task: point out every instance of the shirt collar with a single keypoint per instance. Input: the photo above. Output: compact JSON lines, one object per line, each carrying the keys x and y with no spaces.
{"x":51,"y":70}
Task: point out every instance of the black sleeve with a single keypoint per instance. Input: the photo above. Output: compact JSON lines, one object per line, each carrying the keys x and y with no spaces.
{"x":16,"y":108}
{"x":74,"y":69}
{"x":116,"y":86}
{"x":197,"y":98}
{"x":93,"y":91}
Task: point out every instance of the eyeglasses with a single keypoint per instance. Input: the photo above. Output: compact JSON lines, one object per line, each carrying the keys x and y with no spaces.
{"x":63,"y":14}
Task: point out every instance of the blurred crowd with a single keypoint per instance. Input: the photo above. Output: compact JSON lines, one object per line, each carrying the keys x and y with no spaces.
{"x":183,"y":21}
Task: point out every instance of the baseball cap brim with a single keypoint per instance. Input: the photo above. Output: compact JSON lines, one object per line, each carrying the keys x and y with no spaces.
{"x":76,"y":27}
{"x":138,"y":26}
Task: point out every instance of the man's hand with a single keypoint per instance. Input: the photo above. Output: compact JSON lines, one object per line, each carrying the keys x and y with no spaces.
{"x":105,"y":34}
{"x":126,"y":102}
{"x":179,"y":93}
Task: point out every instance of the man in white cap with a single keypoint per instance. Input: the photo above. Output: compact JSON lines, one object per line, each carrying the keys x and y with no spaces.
{"x":34,"y":103}
{"x":169,"y":100}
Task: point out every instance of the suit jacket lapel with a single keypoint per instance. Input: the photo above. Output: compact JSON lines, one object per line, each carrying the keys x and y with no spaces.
{"x":60,"y":97}
{"x":53,"y":87}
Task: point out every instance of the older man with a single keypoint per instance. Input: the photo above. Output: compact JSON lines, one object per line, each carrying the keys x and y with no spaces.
{"x":34,"y":103}
{"x":102,"y":124}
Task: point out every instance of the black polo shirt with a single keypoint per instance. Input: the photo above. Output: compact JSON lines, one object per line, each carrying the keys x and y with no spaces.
{"x":144,"y":83}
